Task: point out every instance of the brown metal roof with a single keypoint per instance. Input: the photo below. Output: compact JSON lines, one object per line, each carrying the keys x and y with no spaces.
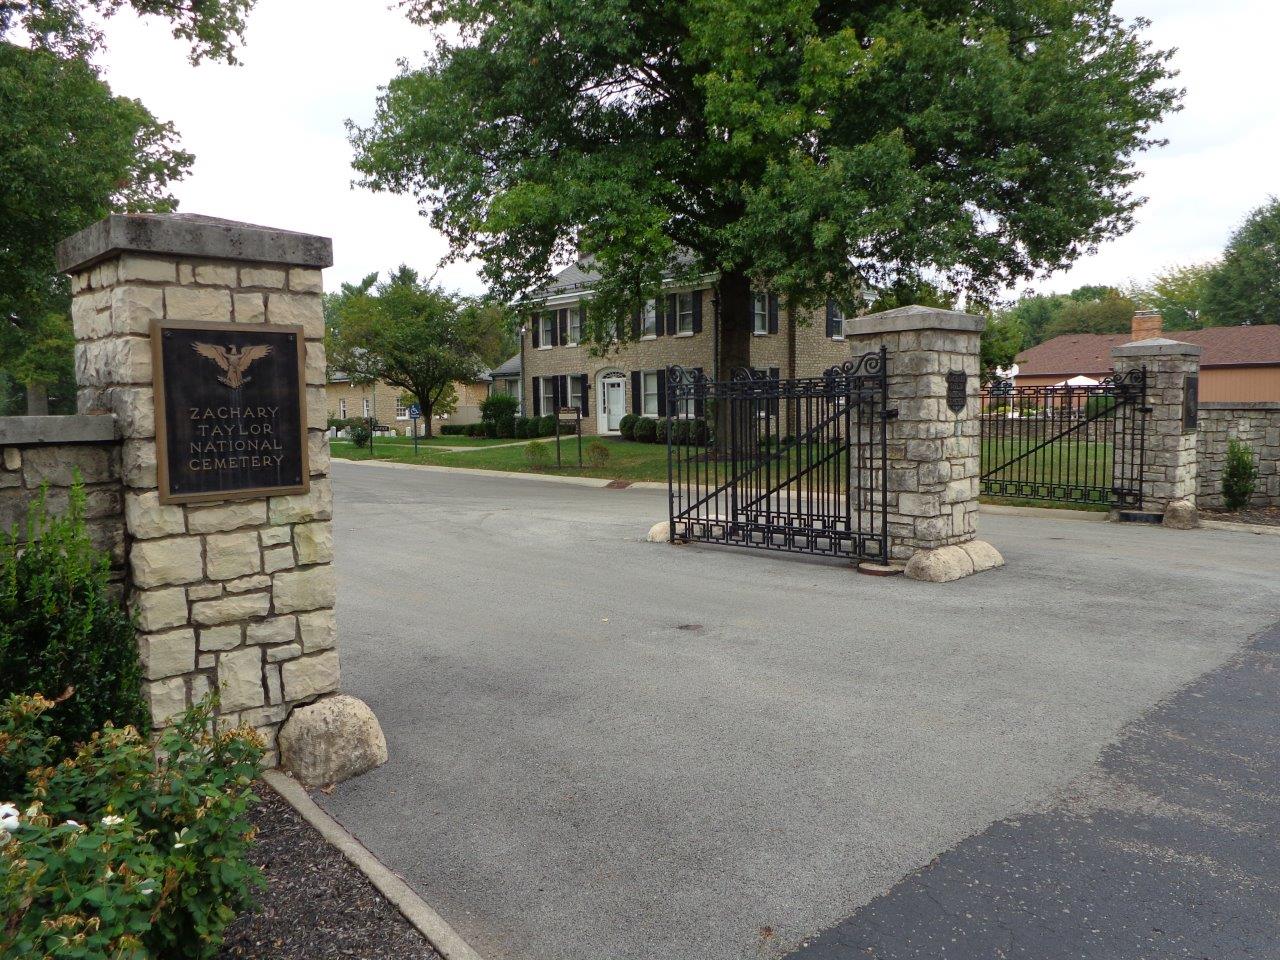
{"x":1089,"y":353}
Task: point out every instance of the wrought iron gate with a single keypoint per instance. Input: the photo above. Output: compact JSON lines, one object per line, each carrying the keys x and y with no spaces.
{"x":794,"y":465}
{"x":1069,"y":444}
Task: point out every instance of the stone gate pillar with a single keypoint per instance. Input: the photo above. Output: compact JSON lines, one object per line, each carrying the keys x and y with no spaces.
{"x":932,"y":484}
{"x":204,"y":338}
{"x":1170,"y":459}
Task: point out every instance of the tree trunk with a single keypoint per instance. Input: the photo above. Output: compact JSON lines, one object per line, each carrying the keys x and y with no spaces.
{"x":733,"y":345}
{"x":37,"y":400}
{"x":425,"y":408}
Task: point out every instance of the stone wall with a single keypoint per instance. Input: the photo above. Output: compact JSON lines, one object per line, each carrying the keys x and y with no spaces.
{"x":1258,"y":425}
{"x":49,"y":454}
{"x":237,"y":594}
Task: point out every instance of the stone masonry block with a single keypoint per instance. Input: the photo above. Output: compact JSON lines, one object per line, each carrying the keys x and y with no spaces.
{"x":133,"y":267}
{"x":138,"y":463}
{"x":273,"y":536}
{"x":226,"y":517}
{"x":240,"y":606}
{"x":313,"y":542}
{"x":303,"y":309}
{"x":316,"y":504}
{"x":219,"y":274}
{"x":58,"y":465}
{"x":158,"y":563}
{"x":249,"y":307}
{"x":197,"y":303}
{"x":311,"y":676}
{"x":167,"y":698}
{"x":133,"y":308}
{"x":147,"y":518}
{"x":262,"y":277}
{"x":305,"y":280}
{"x":311,"y":588}
{"x":272,"y":630}
{"x":257,"y":581}
{"x":315,"y":368}
{"x":167,"y":654}
{"x":231,"y":555}
{"x":160,"y":609}
{"x":278,"y":558}
{"x":318,"y":630}
{"x":221,"y":638}
{"x":240,"y":677}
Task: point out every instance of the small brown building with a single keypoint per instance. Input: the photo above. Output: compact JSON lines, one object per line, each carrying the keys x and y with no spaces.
{"x":1237,"y":363}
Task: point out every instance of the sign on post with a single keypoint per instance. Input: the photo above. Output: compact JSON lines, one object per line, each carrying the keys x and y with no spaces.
{"x":231,"y":418}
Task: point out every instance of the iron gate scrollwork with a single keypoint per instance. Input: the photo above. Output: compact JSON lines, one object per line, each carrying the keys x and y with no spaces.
{"x":1066,"y":443}
{"x":796,"y":465}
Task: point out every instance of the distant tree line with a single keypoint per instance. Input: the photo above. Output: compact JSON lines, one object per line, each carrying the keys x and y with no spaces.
{"x":1241,"y":288}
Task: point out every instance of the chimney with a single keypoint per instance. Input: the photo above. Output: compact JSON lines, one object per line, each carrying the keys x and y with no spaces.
{"x":1147,"y":324}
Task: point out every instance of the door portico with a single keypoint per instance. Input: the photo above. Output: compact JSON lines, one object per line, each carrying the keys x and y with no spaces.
{"x":611,"y":407}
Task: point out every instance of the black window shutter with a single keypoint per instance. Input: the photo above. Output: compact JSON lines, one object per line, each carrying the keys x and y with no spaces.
{"x":658,"y":315}
{"x":582,"y":377}
{"x":697,"y":311}
{"x":773,"y":404}
{"x":635,"y":323}
{"x":773,"y":313}
{"x":831,"y":318}
{"x":637,"y":396}
{"x":699,"y":401}
{"x":537,"y":330}
{"x":562,"y":393}
{"x":562,"y":324}
{"x":673,"y":313}
{"x":662,"y":393}
{"x":537,"y":396}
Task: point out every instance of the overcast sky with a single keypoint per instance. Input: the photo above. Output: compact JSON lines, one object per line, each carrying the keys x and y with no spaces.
{"x":271,"y":148}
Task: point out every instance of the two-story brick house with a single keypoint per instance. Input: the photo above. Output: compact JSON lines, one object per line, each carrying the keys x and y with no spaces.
{"x":677,"y":328}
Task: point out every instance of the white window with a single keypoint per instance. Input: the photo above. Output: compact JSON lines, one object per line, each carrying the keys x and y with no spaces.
{"x":650,"y":399}
{"x":685,"y":407}
{"x":402,"y":409}
{"x":649,"y":320}
{"x":760,"y":312}
{"x":837,"y":321}
{"x":575,"y":392}
{"x":368,"y":408}
{"x":684,"y":312}
{"x":548,"y":398}
{"x":342,"y":409}
{"x":575,"y":327}
{"x":548,"y":322}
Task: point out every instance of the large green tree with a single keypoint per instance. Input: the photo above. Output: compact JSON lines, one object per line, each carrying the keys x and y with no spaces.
{"x":407,"y":333}
{"x":1179,"y":294}
{"x":1245,"y":287}
{"x":812,"y":146}
{"x":71,"y":152}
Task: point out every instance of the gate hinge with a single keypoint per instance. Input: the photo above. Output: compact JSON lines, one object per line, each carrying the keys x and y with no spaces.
{"x":890,"y":414}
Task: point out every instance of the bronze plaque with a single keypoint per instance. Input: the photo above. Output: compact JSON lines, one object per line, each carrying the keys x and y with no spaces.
{"x":1190,"y":402}
{"x":957,"y":390}
{"x":231,"y":416}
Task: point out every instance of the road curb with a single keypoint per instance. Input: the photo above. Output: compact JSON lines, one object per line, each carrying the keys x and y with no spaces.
{"x":1044,"y":513}
{"x":1260,"y":529}
{"x":447,"y":942}
{"x":478,"y":472}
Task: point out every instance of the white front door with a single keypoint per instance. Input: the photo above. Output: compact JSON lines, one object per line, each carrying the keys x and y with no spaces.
{"x":615,"y":403}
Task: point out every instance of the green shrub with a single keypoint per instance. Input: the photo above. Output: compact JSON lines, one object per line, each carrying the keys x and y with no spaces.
{"x":359,"y":433}
{"x":538,"y":455}
{"x":453,"y":429}
{"x":679,"y":431}
{"x":118,"y":854}
{"x":660,"y":430}
{"x":1097,"y":405}
{"x":627,"y":426}
{"x":62,"y":626}
{"x":698,"y":432}
{"x":490,"y":429}
{"x":645,"y":430}
{"x":506,"y":427}
{"x":1239,"y":477}
{"x":597,"y":455}
{"x":521,"y":428}
{"x":547,"y":425}
{"x":499,"y":406}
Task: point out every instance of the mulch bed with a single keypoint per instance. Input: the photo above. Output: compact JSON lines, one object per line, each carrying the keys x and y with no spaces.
{"x":316,"y":905}
{"x":1268,"y":516}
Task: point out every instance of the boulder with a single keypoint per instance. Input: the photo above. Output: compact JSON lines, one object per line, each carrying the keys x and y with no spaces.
{"x":983,"y":555}
{"x":331,"y":740}
{"x":940,"y":565}
{"x":660,"y":532}
{"x":1181,"y":515}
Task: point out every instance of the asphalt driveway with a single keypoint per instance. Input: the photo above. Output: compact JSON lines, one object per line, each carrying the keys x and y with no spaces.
{"x":605,"y":748}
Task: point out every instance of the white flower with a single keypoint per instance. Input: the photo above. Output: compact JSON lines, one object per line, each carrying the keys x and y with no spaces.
{"x":180,"y":839}
{"x":147,"y":888}
{"x":111,"y":820}
{"x":72,"y":823}
{"x":8,"y":817}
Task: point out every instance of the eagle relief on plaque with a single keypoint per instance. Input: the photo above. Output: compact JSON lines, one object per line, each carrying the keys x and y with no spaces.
{"x":231,"y":418}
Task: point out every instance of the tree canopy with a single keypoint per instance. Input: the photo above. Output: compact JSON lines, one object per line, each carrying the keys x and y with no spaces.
{"x":406,"y":333}
{"x":72,"y":152}
{"x":1245,"y":286}
{"x":1178,"y":293}
{"x":811,"y":146}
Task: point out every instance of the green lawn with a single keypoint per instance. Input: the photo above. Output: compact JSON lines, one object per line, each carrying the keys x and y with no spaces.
{"x":438,"y":441}
{"x":1072,"y":464}
{"x":627,"y":460}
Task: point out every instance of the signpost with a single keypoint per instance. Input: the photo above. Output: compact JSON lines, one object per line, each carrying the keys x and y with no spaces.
{"x":414,"y":413}
{"x":569,"y":417}
{"x":231,"y":417}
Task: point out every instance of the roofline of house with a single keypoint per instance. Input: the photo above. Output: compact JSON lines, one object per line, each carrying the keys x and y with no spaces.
{"x":1073,"y":371}
{"x":578,"y":290}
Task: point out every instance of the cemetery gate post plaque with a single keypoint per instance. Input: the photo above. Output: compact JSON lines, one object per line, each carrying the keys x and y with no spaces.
{"x":231,"y":419}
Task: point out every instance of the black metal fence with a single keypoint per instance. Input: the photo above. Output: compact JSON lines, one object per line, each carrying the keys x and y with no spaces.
{"x":1066,"y":444}
{"x":794,"y":465}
